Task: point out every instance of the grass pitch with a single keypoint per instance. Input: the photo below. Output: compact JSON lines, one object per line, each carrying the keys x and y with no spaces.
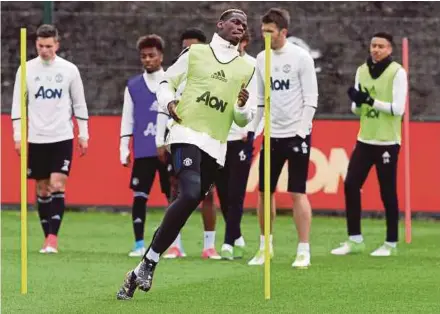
{"x":85,"y":276}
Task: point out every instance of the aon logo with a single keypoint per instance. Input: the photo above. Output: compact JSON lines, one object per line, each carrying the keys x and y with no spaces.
{"x":48,"y":93}
{"x":150,"y":129}
{"x":212,"y":101}
{"x":279,"y":84}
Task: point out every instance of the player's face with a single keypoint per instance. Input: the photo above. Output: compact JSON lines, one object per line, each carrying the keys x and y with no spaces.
{"x":233,"y":28}
{"x":47,"y":47}
{"x":380,"y":48}
{"x":151,"y":59}
{"x":277,"y":35}
{"x":189,"y":41}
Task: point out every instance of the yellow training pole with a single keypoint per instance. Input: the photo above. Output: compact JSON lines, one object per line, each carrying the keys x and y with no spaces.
{"x":267,"y":201}
{"x":23,"y":159}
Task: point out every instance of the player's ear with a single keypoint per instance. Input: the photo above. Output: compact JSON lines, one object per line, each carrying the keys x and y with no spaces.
{"x":220,"y":24}
{"x":284,"y":32}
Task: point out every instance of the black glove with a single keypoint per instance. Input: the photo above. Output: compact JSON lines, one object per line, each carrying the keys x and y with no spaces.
{"x":360,"y":97}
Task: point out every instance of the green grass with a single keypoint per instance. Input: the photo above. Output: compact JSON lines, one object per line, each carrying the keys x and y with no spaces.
{"x":93,"y":260}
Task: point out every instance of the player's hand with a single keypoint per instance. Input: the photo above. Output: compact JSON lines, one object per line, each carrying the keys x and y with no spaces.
{"x":17,"y":147}
{"x":161,"y":154}
{"x":172,"y":105}
{"x":126,"y":161}
{"x":359,"y":96}
{"x":243,"y":96}
{"x":83,"y":146}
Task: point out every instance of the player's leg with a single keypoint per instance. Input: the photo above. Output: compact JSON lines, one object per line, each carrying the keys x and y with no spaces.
{"x":141,"y":181}
{"x":209,"y":216}
{"x":386,"y":159}
{"x":359,"y":166}
{"x":239,"y":164}
{"x":195,"y":171}
{"x":39,"y":170}
{"x":298,"y":165}
{"x":277,"y":160}
{"x":61,"y":163}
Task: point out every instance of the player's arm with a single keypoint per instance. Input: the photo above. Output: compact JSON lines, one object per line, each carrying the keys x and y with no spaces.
{"x":259,"y":99}
{"x":161,"y":127}
{"x":245,"y":108}
{"x":309,"y":86}
{"x":16,"y":111}
{"x":80,"y":110}
{"x":354,"y":108}
{"x":126,"y":128}
{"x":174,"y":76}
{"x":400,"y":90}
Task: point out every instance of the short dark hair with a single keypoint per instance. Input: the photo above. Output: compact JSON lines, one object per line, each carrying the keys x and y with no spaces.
{"x":47,"y":31}
{"x":193,"y":33}
{"x":227,"y":14}
{"x":280,"y":17}
{"x":385,"y":35}
{"x":151,"y":41}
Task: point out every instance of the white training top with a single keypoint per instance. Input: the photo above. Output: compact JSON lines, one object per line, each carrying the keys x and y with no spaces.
{"x":224,"y":52}
{"x":53,"y":88}
{"x":294,"y":91}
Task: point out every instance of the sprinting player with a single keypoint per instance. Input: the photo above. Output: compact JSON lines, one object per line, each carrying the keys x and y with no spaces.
{"x":214,"y":97}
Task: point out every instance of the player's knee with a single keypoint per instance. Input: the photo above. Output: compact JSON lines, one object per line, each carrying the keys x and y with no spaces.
{"x":351,"y":185}
{"x":190,"y":186}
{"x":43,"y":188}
{"x":57,"y":186}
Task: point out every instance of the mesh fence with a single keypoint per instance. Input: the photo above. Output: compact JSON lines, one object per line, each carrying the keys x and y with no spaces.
{"x":100,"y":38}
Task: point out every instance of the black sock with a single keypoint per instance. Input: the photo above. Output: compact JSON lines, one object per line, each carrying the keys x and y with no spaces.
{"x":138,"y":214}
{"x":44,"y":211}
{"x":58,"y":207}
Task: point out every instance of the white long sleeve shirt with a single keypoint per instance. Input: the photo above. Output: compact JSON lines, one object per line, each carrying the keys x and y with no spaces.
{"x":152,"y":81}
{"x":53,"y":89}
{"x":236,"y":132}
{"x":397,"y":107}
{"x":224,"y":52}
{"x":294,"y":91}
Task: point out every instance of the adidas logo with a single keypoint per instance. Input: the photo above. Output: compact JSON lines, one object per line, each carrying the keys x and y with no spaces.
{"x":220,"y":75}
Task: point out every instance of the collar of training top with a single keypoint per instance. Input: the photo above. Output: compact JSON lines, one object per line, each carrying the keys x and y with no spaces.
{"x":154,"y":75}
{"x":50,"y":62}
{"x":218,"y":42}
{"x":376,"y":69}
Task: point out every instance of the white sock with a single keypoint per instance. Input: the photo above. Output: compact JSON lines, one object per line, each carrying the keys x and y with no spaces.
{"x":151,"y":255}
{"x":357,"y":238}
{"x":392,"y":244}
{"x":227,"y":247}
{"x":177,"y":242}
{"x":239,"y":242}
{"x":303,"y":247}
{"x":208,"y":239}
{"x":262,"y":241}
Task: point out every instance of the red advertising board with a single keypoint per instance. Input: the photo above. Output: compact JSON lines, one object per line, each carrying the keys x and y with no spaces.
{"x":99,"y":179}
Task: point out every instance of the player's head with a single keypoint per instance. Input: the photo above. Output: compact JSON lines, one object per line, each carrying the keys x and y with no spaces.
{"x":192,"y":36}
{"x":245,"y":40}
{"x":150,"y":49}
{"x":232,"y":25}
{"x":47,"y":42}
{"x":276,"y":22}
{"x":381,"y":46}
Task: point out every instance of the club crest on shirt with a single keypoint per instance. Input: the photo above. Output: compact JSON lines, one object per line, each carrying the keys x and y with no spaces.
{"x":59,"y":78}
{"x":286,"y":68}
